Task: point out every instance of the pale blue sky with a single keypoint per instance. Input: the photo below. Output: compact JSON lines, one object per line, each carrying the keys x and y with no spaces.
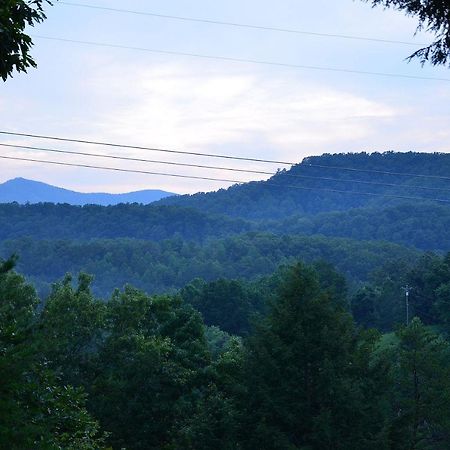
{"x":211,"y":106}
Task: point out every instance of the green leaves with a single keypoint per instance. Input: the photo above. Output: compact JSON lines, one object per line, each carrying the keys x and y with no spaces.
{"x":421,"y":394}
{"x":15,"y":44}
{"x":434,"y":16}
{"x":37,"y":410}
{"x":303,"y":389}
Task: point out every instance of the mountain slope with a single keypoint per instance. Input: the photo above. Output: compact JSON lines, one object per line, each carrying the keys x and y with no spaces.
{"x":424,"y":226}
{"x":50,"y":221}
{"x":313,"y":186}
{"x":170,"y":264}
{"x":22,"y":191}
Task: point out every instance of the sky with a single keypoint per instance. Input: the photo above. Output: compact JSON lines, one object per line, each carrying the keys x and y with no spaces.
{"x":169,"y":101}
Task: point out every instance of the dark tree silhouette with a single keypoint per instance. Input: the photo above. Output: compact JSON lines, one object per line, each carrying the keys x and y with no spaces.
{"x":15,"y":44}
{"x":434,"y":16}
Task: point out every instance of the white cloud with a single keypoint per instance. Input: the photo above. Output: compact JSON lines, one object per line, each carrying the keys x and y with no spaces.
{"x":174,"y":106}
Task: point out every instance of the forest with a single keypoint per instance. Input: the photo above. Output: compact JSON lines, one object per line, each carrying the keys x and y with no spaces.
{"x":257,"y":317}
{"x":290,"y":362}
{"x":306,"y":311}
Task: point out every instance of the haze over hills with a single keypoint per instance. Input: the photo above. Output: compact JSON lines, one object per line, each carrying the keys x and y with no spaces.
{"x":334,"y":204}
{"x":23,"y":191}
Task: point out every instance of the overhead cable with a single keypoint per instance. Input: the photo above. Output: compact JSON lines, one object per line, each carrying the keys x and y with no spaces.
{"x":152,"y":149}
{"x":241,"y":60}
{"x":265,"y":183}
{"x":240,"y":25}
{"x":231,"y":169}
{"x":305,"y":163}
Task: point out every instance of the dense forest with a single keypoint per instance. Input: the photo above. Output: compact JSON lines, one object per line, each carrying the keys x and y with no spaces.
{"x":425,"y":226}
{"x":307,"y":188}
{"x":258,"y":317}
{"x":294,"y":371}
{"x":169,"y":264}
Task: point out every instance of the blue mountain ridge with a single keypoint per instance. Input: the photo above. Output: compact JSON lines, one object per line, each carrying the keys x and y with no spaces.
{"x":23,"y":191}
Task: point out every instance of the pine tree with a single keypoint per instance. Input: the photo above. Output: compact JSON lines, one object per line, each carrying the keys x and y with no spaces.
{"x":305,"y":387}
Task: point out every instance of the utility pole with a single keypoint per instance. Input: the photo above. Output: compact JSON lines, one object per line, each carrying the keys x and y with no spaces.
{"x":407,"y":289}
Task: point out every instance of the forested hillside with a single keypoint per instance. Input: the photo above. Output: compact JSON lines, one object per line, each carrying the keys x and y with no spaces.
{"x":170,"y":264}
{"x":246,"y":231}
{"x":308,"y":310}
{"x":144,"y":371}
{"x":50,"y":221}
{"x":307,"y":187}
{"x":425,"y":226}
{"x":199,"y":324}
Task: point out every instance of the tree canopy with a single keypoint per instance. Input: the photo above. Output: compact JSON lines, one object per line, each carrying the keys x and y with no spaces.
{"x":15,"y":44}
{"x":434,"y":16}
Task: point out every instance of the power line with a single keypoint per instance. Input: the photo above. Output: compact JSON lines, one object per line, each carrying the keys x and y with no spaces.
{"x":241,"y":25}
{"x":201,"y":166}
{"x":241,"y":60}
{"x":127,"y":158}
{"x":380,"y":172}
{"x":119,"y":169}
{"x":211,"y":155}
{"x":152,"y":149}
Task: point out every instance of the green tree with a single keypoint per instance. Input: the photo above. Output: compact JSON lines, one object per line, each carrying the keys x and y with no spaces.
{"x":228,"y":304}
{"x":36,"y":410}
{"x":150,"y":371}
{"x":70,"y":330}
{"x":421,"y":394}
{"x":304,"y":385}
{"x":216,"y":421}
{"x":15,"y":44}
{"x":433,"y":15}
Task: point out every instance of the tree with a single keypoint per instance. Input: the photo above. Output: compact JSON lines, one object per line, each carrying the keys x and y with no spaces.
{"x":305,"y":387}
{"x":433,"y":15}
{"x":70,"y":329}
{"x":15,"y":44}
{"x":421,"y":394}
{"x":36,"y":410}
{"x":150,"y":370}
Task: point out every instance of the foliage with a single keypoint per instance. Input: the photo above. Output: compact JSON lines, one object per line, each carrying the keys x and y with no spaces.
{"x":156,"y":223}
{"x":433,"y":15}
{"x":144,"y":372}
{"x":171,"y":264}
{"x":37,"y":410}
{"x":15,"y":44}
{"x":424,"y":226}
{"x":421,"y":391}
{"x":304,"y":387}
{"x":299,"y":189}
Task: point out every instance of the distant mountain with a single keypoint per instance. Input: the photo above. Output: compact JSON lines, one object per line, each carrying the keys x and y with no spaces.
{"x":332,"y":182}
{"x":22,"y":191}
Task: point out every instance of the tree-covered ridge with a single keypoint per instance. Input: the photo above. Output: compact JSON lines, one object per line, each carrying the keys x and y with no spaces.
{"x":425,"y":226}
{"x":64,"y":221}
{"x":170,"y":264}
{"x":276,"y":198}
{"x":143,"y":372}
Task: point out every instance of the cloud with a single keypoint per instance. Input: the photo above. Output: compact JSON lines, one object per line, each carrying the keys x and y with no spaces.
{"x":174,"y":106}
{"x":245,"y":111}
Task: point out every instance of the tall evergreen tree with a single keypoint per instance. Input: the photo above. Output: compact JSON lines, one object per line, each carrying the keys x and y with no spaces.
{"x":421,"y":394}
{"x":305,"y":388}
